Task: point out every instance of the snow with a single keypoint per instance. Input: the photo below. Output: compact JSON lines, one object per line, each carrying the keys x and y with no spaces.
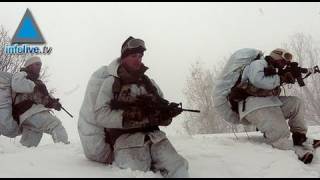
{"x":213,"y":155}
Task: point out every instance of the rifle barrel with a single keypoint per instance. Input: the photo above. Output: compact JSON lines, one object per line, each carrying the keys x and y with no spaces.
{"x":66,"y":111}
{"x":191,"y":110}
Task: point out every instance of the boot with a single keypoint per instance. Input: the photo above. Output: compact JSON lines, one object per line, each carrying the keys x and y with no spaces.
{"x":300,"y":139}
{"x":307,"y":158}
{"x":316,"y":143}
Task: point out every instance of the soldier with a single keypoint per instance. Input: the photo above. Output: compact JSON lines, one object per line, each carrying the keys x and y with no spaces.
{"x":32,"y":105}
{"x":129,"y":137}
{"x":263,"y":106}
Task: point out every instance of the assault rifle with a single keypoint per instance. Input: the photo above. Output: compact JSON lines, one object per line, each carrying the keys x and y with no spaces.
{"x":41,"y":87}
{"x":295,"y":70}
{"x":149,"y":105}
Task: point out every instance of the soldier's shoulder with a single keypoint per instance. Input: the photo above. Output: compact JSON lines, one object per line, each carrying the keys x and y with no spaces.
{"x":19,"y":74}
{"x":259,"y":62}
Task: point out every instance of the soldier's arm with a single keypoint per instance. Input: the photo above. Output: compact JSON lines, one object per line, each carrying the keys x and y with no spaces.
{"x":257,"y":77}
{"x":104,"y":116}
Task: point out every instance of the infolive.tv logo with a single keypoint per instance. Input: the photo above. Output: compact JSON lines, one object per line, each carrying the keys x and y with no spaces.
{"x":28,"y":33}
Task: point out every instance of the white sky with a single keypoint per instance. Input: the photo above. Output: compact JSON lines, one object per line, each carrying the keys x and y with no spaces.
{"x":85,"y":36}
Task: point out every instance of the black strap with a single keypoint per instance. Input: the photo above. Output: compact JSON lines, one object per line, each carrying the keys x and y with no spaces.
{"x":21,"y":108}
{"x":233,"y":103}
{"x":149,"y":86}
{"x":116,"y":87}
{"x":111,"y":142}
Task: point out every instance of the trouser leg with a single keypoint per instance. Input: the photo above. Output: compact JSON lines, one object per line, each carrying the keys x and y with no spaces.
{"x":45,"y":122}
{"x":57,"y":131}
{"x":293,"y":109}
{"x":135,"y":158}
{"x":272,"y":123}
{"x":166,"y":160}
{"x":30,"y":137}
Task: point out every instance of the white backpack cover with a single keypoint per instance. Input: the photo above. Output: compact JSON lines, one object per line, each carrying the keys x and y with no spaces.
{"x":5,"y":90}
{"x":227,"y":79}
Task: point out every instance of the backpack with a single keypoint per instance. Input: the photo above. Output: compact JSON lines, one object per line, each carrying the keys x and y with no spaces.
{"x":229,"y":77}
{"x":7,"y":97}
{"x":5,"y":90}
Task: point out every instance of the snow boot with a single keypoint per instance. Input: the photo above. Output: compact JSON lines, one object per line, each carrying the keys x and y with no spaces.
{"x":300,"y":139}
{"x":316,"y":143}
{"x":307,"y":158}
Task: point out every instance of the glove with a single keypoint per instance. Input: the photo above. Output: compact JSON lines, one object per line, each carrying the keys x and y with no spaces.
{"x":164,"y":117}
{"x":269,"y":71}
{"x":133,"y":114}
{"x":174,"y":110}
{"x":287,"y":77}
{"x":57,"y":105}
{"x":54,"y":103}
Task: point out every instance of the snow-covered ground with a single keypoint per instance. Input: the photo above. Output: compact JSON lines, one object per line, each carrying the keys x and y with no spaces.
{"x":219,"y":155}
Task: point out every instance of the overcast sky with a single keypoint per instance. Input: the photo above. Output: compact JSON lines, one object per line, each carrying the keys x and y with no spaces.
{"x":85,"y":36}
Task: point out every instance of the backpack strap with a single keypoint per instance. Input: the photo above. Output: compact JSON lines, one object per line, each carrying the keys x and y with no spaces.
{"x":20,"y":108}
{"x":116,"y":87}
{"x":236,"y":93}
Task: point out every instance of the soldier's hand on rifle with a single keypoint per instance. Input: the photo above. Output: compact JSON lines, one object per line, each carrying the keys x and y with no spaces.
{"x":270,"y":70}
{"x":133,"y":114}
{"x":174,"y":110}
{"x":164,"y":117}
{"x":57,"y":105}
{"x":134,"y":117}
{"x":54,"y":103}
{"x":158,"y":118}
{"x":287,"y":77}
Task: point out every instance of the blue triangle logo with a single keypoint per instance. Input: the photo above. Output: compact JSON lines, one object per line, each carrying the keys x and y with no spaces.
{"x":28,"y":31}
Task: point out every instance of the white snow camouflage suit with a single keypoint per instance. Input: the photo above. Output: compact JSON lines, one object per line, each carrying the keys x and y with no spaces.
{"x":268,"y":114}
{"x":131,"y":150}
{"x":38,"y":119}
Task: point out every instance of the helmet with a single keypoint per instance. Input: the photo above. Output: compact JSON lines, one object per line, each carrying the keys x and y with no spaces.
{"x":279,"y":54}
{"x":131,"y":46}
